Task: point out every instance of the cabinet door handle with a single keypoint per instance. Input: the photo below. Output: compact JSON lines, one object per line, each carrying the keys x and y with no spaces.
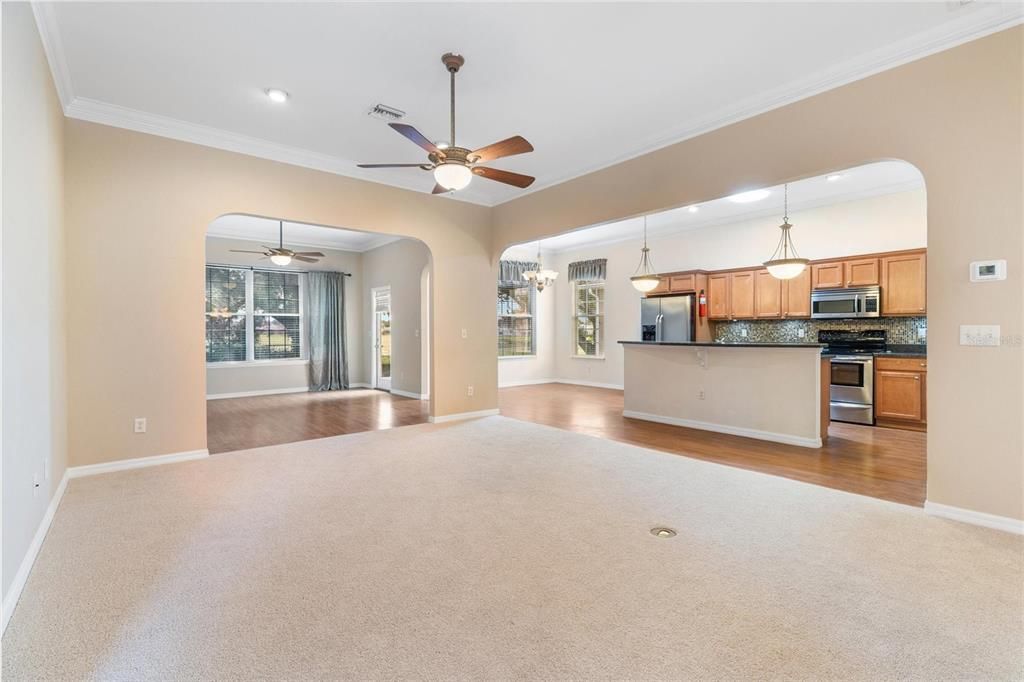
{"x":917,"y":378}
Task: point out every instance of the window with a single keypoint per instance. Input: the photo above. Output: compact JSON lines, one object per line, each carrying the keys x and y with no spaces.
{"x":516,"y":333}
{"x":253,"y":315}
{"x":588,"y":319}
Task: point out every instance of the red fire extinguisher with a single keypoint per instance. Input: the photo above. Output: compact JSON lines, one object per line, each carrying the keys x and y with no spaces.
{"x":702,"y":304}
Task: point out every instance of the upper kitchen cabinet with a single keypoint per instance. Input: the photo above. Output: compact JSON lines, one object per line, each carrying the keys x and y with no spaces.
{"x":662,"y":288}
{"x":767,"y":295}
{"x":830,"y":275}
{"x":796,"y":295}
{"x":718,"y":296}
{"x":682,"y":283}
{"x":741,"y":294}
{"x":903,"y":280}
{"x":862,"y":272}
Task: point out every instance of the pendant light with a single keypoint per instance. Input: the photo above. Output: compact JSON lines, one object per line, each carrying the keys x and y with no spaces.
{"x":785,"y":263}
{"x":645,"y":279}
{"x":540,"y":277}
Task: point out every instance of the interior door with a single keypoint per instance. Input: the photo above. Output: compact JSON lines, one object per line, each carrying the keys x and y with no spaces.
{"x":382,"y":338}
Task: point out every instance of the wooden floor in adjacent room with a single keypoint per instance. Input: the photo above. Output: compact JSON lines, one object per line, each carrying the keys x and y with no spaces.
{"x":242,"y":423}
{"x":879,"y":462}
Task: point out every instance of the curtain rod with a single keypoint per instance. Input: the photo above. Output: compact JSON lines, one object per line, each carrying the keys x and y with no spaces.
{"x":254,"y":268}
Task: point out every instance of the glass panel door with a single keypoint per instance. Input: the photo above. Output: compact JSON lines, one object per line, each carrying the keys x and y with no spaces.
{"x":382,"y":338}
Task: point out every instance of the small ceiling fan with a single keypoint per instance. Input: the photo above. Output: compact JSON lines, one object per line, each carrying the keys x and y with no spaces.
{"x":454,"y":166}
{"x":279,"y":255}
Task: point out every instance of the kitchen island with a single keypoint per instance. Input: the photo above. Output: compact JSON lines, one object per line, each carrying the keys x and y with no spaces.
{"x":769,"y":391}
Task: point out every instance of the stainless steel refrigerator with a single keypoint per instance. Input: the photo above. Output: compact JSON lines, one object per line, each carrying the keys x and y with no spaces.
{"x":667,"y":318}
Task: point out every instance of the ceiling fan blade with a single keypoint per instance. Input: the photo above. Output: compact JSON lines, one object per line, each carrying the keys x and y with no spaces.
{"x":239,"y":251}
{"x":438,"y":189}
{"x":416,"y":136}
{"x":388,"y":165}
{"x":304,"y":259}
{"x":316,"y":254}
{"x":508,"y":177}
{"x":510,"y":147}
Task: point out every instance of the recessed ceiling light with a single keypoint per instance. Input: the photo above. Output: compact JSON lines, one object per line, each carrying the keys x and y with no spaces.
{"x":835,"y":177}
{"x":277,"y":95}
{"x":693,"y":209}
{"x":749,"y":197}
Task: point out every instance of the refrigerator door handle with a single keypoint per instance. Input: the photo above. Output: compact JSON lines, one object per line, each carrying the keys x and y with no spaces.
{"x":657,"y":330}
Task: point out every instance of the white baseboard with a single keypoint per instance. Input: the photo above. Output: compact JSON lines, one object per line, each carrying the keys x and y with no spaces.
{"x":592,"y":384}
{"x":136,"y":463}
{"x":526,"y":382}
{"x":360,"y":385}
{"x":975,"y":518}
{"x":249,"y":394}
{"x":408,"y":394}
{"x":463,"y":415}
{"x":21,"y":577}
{"x":722,"y":428}
{"x":574,"y":382}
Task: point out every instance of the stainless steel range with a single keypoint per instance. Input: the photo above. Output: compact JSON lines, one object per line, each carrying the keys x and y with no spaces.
{"x":852,"y":390}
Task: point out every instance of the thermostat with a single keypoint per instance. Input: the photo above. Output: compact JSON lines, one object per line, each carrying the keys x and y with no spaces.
{"x":988,"y":270}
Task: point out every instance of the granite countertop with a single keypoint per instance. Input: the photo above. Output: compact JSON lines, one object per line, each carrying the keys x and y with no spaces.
{"x":712,"y":344}
{"x":905,"y":351}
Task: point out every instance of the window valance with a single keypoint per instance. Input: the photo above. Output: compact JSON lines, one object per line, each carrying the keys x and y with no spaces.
{"x":593,"y":270}
{"x":510,"y":272}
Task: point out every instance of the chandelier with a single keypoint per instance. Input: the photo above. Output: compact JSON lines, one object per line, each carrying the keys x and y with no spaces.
{"x":540,"y":277}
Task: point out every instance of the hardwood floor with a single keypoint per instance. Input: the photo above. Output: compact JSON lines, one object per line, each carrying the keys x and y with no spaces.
{"x":241,"y":423}
{"x":879,"y":462}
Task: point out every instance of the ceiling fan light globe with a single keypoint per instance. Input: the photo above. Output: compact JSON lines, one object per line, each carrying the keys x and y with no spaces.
{"x":787,"y":268}
{"x":280,"y":259}
{"x":453,"y":176}
{"x":645,"y":283}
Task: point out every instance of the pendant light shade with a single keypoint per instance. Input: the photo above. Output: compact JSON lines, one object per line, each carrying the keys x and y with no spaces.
{"x":453,"y":176}
{"x":785,"y":263}
{"x":645,"y":279}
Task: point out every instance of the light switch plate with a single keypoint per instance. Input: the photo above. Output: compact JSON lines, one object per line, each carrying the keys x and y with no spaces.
{"x":979,"y":335}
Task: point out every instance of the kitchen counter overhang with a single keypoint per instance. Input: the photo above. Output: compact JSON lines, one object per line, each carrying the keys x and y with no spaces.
{"x":774,"y":392}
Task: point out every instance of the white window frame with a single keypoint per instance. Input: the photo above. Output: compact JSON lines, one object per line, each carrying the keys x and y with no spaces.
{"x":250,"y":324}
{"x":599,"y":350}
{"x":533,"y":328}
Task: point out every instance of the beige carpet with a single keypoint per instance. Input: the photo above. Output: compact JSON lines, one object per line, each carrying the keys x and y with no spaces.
{"x":498,"y":549}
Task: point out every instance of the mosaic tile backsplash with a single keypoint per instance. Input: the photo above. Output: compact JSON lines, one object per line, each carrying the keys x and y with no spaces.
{"x":899,"y":330}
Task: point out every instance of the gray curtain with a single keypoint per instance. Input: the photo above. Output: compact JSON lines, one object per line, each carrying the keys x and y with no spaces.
{"x":588,"y":270}
{"x":510,"y":272}
{"x":325,"y":310}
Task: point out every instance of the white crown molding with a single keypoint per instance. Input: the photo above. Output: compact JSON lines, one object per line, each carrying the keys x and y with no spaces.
{"x":982,"y":22}
{"x":977,"y":22}
{"x":675,"y":228}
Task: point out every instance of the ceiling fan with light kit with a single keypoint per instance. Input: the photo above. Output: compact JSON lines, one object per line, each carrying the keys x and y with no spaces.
{"x":279,"y":255}
{"x":453,"y":166}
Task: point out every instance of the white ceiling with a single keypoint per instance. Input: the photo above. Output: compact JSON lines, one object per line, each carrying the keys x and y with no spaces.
{"x":589,"y":84}
{"x":856,"y":183}
{"x":265,"y":231}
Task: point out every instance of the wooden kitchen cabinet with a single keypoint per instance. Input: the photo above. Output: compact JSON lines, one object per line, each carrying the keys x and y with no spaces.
{"x":718,"y":296}
{"x":767,"y":295}
{"x":904,"y":284}
{"x":862,"y":272}
{"x":741,"y":294}
{"x":796,"y":296}
{"x":901,"y":392}
{"x":682,"y":283}
{"x":831,"y":275}
{"x":662,"y":288}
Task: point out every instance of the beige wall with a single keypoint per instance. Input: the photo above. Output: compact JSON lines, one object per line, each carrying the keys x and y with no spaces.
{"x":34,"y":424}
{"x":233,"y":378}
{"x":957,"y":116}
{"x":767,"y":393}
{"x":137,"y":211}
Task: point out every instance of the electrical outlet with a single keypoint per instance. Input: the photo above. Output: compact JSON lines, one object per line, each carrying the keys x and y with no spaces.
{"x":922,"y":333}
{"x":801,"y":333}
{"x":700,"y":394}
{"x":469,"y":390}
{"x":743,"y":333}
{"x":140,"y":425}
{"x":979,"y":335}
{"x":465,"y":335}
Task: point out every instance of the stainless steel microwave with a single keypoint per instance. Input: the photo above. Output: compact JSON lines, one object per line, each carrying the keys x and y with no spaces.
{"x":844,"y":303}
